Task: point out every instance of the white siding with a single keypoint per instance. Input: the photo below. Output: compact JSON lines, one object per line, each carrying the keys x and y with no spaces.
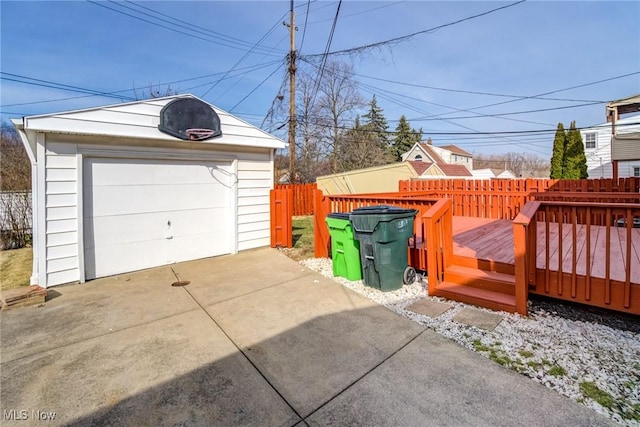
{"x":255,"y":180}
{"x":61,"y":201}
{"x":599,"y":159}
{"x":141,"y":120}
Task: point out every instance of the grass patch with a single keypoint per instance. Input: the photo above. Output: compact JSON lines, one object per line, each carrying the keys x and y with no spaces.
{"x":15,"y":268}
{"x":633,"y":413}
{"x":591,"y":390}
{"x":303,"y":246}
{"x":525,"y":353}
{"x":557,"y":371}
{"x":478,"y":346}
{"x":533,"y":364}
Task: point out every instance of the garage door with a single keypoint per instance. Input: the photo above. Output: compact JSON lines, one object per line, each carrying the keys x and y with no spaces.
{"x":145,"y":213}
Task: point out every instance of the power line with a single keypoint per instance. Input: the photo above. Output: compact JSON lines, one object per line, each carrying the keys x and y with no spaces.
{"x":256,"y":88}
{"x":190,"y":24}
{"x":408,"y":36}
{"x":362,"y":12}
{"x":559,"y":90}
{"x":323,"y":62}
{"x":304,"y":30}
{"x":246,"y":54}
{"x":92,"y":92}
{"x":167,"y":27}
{"x":471,"y":92}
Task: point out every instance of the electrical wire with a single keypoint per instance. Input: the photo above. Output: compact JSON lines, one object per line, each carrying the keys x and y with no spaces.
{"x":168,"y":28}
{"x":192,"y":25}
{"x":92,"y":93}
{"x":256,"y":88}
{"x":304,"y":30}
{"x":471,"y":92}
{"x":408,"y":36}
{"x":323,"y":62}
{"x":246,"y":54}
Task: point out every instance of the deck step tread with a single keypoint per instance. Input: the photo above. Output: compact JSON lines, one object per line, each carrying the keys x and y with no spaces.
{"x":484,"y":274}
{"x":476,"y":296}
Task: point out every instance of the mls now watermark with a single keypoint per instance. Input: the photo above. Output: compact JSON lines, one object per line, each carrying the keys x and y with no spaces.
{"x":24,"y":415}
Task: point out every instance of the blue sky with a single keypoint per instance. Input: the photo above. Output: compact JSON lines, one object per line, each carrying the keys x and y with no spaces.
{"x":531,"y":48}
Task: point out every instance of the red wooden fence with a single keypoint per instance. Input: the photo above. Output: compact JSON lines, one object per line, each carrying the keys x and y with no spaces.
{"x":302,"y":197}
{"x":281,"y":215}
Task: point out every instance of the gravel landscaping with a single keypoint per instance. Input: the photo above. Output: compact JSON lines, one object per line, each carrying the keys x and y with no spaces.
{"x":590,"y":356}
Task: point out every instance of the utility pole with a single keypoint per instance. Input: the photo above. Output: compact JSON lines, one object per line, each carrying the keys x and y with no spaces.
{"x":292,"y":97}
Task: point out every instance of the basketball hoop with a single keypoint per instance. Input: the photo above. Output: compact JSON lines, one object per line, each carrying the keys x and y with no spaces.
{"x":199,"y":134}
{"x":189,"y":119}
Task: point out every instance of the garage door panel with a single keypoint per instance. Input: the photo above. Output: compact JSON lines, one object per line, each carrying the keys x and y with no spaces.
{"x":114,"y":172}
{"x":209,"y":220}
{"x":113,"y":230}
{"x":147,"y":199}
{"x":145,"y":213}
{"x":108,"y":260}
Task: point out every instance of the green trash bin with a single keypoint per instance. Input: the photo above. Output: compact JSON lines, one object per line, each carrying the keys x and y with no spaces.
{"x":345,"y":250}
{"x":383,"y":233}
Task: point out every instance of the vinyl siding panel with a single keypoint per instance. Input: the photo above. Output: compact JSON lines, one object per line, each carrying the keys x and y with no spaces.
{"x":61,"y":201}
{"x":599,"y":163}
{"x":255,"y":181}
{"x":141,"y":119}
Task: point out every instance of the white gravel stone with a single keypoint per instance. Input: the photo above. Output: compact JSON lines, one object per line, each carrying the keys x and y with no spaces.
{"x":559,"y":346}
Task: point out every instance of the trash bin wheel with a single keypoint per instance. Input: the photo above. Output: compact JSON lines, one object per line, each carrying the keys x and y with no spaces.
{"x":409,"y":275}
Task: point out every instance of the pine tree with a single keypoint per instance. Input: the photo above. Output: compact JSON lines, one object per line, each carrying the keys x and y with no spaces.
{"x":404,"y":138}
{"x":376,"y":123}
{"x":557,"y":159}
{"x":575,"y":159}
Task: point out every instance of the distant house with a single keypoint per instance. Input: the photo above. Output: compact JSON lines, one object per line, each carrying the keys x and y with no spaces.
{"x":422,"y":161}
{"x":492,"y":173}
{"x":598,"y":148}
{"x":447,"y":155}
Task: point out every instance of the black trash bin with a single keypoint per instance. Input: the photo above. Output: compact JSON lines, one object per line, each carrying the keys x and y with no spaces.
{"x":383,"y":232}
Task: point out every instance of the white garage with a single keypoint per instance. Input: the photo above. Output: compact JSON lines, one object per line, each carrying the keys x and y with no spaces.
{"x":114,"y":192}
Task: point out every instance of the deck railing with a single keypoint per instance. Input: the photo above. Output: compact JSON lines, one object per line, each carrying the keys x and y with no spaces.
{"x":438,"y":225}
{"x":580,"y":251}
{"x":504,"y":198}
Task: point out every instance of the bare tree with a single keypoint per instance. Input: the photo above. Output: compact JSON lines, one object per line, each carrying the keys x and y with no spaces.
{"x":154,"y":92}
{"x":360,"y":148}
{"x":520,"y":164}
{"x":309,"y":131}
{"x":338,"y":102}
{"x":15,"y":168}
{"x":15,"y":186}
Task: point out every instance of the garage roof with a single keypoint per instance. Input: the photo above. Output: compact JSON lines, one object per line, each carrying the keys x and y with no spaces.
{"x":140,"y":119}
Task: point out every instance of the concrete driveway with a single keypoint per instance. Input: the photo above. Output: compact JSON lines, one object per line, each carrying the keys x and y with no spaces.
{"x":255,"y":339}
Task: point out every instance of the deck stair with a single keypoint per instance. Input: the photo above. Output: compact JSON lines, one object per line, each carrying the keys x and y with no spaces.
{"x":489,"y":289}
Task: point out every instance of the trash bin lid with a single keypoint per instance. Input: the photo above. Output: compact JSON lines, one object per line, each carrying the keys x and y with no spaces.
{"x":382,"y":209}
{"x":339,"y":215}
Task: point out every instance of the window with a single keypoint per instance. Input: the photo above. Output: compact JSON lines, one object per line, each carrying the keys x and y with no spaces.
{"x":590,"y":140}
{"x":418,"y":158}
{"x":636,"y":171}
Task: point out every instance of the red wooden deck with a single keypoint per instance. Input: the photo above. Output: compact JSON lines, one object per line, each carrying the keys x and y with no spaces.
{"x":491,"y":240}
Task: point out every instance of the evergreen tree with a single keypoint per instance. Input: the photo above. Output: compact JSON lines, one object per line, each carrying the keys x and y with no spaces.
{"x":376,"y":123}
{"x":568,"y":160}
{"x":575,"y":159}
{"x":404,"y":138}
{"x":557,"y":159}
